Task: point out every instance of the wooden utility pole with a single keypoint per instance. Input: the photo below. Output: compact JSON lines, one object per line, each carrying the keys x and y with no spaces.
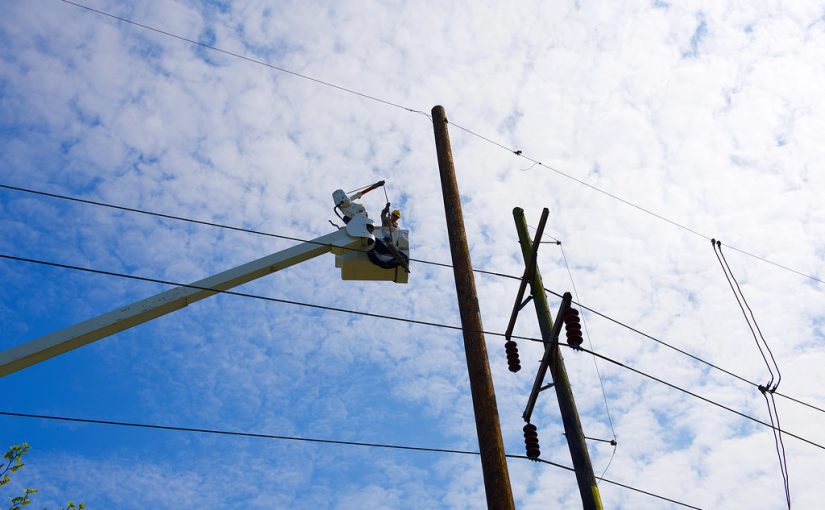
{"x":490,"y":444}
{"x":567,"y":405}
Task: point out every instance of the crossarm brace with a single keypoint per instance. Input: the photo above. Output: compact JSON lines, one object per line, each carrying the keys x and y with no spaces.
{"x":550,"y":347}
{"x":528,"y":275}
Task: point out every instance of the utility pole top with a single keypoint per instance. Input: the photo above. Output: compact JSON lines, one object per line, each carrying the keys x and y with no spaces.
{"x":490,"y":443}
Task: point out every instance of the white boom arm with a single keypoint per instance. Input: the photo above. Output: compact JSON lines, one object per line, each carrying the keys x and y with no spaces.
{"x":57,"y":343}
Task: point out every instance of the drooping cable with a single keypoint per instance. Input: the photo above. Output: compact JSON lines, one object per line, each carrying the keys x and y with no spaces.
{"x":520,"y":153}
{"x":256,"y":435}
{"x":767,"y":389}
{"x":695,"y":395}
{"x":614,"y":441}
{"x":516,"y":152}
{"x":595,"y":363}
{"x":420,"y":261}
{"x":394,"y":318}
{"x":753,"y":320}
{"x":778,"y":442}
{"x":739,"y":299}
{"x":249,"y":59}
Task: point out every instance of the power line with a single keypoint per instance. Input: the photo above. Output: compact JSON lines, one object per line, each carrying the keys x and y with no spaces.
{"x":390,"y":317}
{"x":535,"y":162}
{"x":768,"y":389}
{"x":363,"y":95}
{"x":306,"y":440}
{"x":213,"y":224}
{"x":657,"y":340}
{"x":595,"y":364}
{"x":421,"y":261}
{"x":249,"y":59}
{"x":696,"y":395}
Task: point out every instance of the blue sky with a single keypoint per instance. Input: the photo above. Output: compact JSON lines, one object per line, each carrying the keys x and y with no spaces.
{"x":708,"y":114}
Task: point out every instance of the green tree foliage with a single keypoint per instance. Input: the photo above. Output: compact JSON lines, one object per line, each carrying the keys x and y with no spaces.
{"x":13,"y":462}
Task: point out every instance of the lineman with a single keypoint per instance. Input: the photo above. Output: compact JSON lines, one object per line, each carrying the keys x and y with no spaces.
{"x":390,"y":219}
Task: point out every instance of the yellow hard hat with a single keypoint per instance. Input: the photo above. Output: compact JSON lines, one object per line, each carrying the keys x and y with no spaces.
{"x":396,"y":212}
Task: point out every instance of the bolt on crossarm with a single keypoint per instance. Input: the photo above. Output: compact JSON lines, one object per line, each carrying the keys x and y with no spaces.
{"x":588,"y":489}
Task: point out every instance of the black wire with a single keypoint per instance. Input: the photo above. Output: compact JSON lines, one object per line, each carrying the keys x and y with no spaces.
{"x":305,"y":439}
{"x":780,"y":447}
{"x":783,"y":458}
{"x":248,"y":59}
{"x":242,"y":294}
{"x":799,"y":401}
{"x":421,"y":261}
{"x":219,"y":225}
{"x":389,"y":317}
{"x":725,"y":270}
{"x":753,"y":319}
{"x":412,"y":110}
{"x":290,"y":238}
{"x":695,"y":395}
{"x":520,"y":154}
{"x":657,"y":340}
{"x":595,"y":364}
{"x":771,"y":386}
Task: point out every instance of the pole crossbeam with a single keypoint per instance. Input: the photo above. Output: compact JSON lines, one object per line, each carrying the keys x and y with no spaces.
{"x":553,"y":360}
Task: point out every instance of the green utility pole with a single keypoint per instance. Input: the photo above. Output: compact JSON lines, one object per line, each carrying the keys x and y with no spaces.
{"x":567,"y":405}
{"x":490,"y":443}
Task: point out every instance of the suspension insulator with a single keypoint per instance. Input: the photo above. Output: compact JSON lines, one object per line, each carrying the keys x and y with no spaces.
{"x":573,"y":326}
{"x":513,"y":361}
{"x":531,"y":441}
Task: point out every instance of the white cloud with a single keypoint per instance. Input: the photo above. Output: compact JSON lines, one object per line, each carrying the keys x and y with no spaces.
{"x":708,"y":114}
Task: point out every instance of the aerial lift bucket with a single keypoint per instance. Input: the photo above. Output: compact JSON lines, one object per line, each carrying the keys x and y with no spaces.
{"x":383,"y":256}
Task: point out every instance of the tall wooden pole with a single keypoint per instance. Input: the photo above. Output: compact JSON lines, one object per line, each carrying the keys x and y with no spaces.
{"x":567,"y":405}
{"x":490,"y":444}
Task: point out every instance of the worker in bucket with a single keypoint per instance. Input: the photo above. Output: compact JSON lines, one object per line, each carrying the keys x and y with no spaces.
{"x":390,"y":219}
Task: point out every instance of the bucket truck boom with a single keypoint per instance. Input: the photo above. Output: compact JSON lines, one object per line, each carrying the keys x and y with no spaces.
{"x":348,"y":244}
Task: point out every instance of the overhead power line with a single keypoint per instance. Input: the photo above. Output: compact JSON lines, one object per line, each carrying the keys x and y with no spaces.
{"x":520,"y":153}
{"x":517,"y":152}
{"x":696,"y":395}
{"x":213,"y":224}
{"x":595,"y":363}
{"x":421,"y":261}
{"x":309,"y":440}
{"x":248,"y":59}
{"x":388,"y":317}
{"x":768,"y":389}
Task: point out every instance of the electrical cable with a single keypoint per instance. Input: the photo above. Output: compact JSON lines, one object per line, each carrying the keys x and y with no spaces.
{"x":775,"y":385}
{"x":217,"y":225}
{"x":768,"y":389}
{"x":779,"y":444}
{"x":520,"y":154}
{"x":421,"y":261}
{"x":517,"y":152}
{"x":739,"y":302}
{"x":304,"y":439}
{"x":249,"y":59}
{"x":780,"y":451}
{"x":389,"y":317}
{"x":595,"y":364}
{"x":695,"y":395}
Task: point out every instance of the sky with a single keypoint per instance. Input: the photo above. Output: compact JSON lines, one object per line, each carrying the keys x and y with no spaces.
{"x":658,"y":126}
